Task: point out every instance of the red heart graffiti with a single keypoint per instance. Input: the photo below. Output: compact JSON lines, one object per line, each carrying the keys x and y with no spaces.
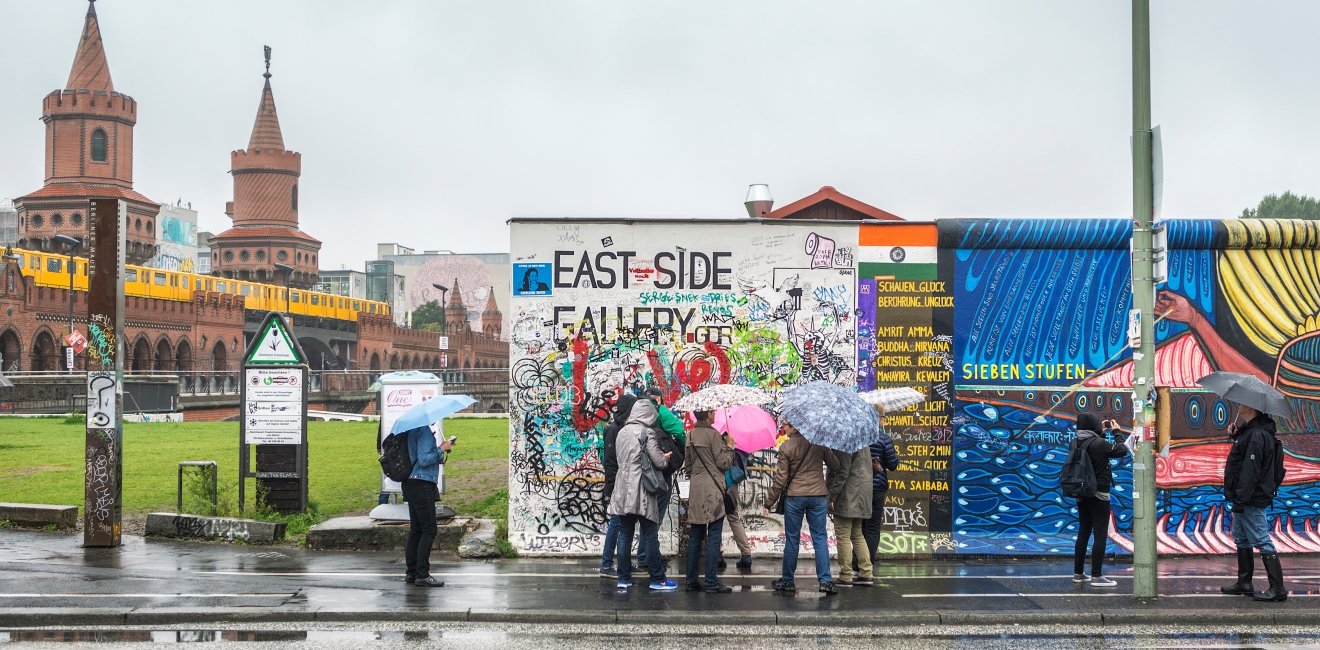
{"x":695,"y":374}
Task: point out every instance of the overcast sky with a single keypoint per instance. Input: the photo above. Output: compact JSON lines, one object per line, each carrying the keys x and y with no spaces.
{"x":430,"y":123}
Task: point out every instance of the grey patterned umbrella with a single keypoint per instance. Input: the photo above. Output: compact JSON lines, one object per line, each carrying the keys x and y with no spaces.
{"x":1247,"y":389}
{"x":831,"y":416}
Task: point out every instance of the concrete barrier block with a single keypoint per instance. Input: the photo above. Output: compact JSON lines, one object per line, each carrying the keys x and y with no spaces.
{"x":38,"y":514}
{"x":364,"y":534}
{"x":168,"y":524}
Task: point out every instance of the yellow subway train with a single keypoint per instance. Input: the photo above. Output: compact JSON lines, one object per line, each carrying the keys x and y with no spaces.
{"x":49,"y":270}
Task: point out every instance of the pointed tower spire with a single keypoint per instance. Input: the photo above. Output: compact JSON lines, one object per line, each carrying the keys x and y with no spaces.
{"x":90,"y":70}
{"x":456,"y":295}
{"x":491,"y":306}
{"x":266,"y":131}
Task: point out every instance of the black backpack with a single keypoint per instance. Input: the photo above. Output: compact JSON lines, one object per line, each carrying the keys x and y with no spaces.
{"x":666,"y":443}
{"x":1078,"y":476}
{"x":1279,"y":471}
{"x":394,"y":459}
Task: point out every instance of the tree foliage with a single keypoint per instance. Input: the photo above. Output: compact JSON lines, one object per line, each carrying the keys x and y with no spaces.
{"x":428,"y":316}
{"x":1284,"y":206}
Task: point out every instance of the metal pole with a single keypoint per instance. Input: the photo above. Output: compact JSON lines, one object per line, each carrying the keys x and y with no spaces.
{"x":1145,"y":570}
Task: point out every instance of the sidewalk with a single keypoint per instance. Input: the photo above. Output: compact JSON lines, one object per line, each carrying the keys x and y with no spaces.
{"x":47,"y":579}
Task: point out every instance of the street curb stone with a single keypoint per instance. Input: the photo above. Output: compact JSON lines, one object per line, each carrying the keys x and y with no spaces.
{"x":856,"y":619}
{"x":674,"y":617}
{"x":51,"y":616}
{"x":1019,"y":617}
{"x":172,"y":615}
{"x":1186,"y":616}
{"x":576,"y":616}
{"x":396,"y":615}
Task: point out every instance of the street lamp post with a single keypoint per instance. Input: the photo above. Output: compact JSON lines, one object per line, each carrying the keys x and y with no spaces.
{"x":288,"y":270}
{"x":71,"y":245}
{"x":444,"y":326}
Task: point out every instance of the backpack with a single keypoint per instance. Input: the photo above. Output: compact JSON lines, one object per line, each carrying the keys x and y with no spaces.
{"x":667,"y":444}
{"x":1279,"y":470}
{"x":653,"y":482}
{"x":738,"y":473}
{"x":394,"y":459}
{"x":1078,"y":476}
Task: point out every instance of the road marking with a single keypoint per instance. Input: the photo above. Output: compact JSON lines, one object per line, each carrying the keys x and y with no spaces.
{"x":110,"y":595}
{"x":464,"y":574}
{"x":1082,"y":594}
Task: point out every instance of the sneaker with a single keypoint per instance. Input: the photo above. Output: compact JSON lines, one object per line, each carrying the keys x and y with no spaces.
{"x":1080,"y":577}
{"x":745,"y":564}
{"x":1101,"y":581}
{"x":664,"y":585}
{"x":692,"y":586}
{"x":827,"y":587}
{"x":608,"y":572}
{"x":843,"y":582}
{"x":428,"y":581}
{"x":865,"y":581}
{"x":783,"y":585}
{"x":718,"y":589}
{"x":624,"y":584}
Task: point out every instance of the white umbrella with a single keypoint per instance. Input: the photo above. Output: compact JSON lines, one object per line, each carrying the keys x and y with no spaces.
{"x":722,"y":396}
{"x":894,"y":399}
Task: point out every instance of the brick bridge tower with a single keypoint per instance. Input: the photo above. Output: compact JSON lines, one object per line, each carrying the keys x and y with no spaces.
{"x":89,"y":153}
{"x":265,"y":209}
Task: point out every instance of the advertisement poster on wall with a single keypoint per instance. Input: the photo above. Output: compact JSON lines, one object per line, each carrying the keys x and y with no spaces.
{"x":396,"y":397}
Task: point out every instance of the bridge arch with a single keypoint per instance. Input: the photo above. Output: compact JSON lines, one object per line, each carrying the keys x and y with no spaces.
{"x":394,"y":361}
{"x":164,"y":359}
{"x":43,"y":351}
{"x":220,"y":357}
{"x":375,"y":361}
{"x":11,"y":350}
{"x":183,"y":357}
{"x":319,"y":354}
{"x":141,"y":358}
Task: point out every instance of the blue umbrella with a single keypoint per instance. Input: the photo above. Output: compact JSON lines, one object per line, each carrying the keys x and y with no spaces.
{"x":831,"y":416}
{"x":431,"y":411}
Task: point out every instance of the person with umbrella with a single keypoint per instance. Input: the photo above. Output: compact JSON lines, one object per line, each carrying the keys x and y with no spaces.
{"x":800,"y":479}
{"x":884,"y":459}
{"x":1252,"y":476}
{"x":709,"y":453}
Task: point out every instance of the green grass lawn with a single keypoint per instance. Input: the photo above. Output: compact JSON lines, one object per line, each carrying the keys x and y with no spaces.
{"x":41,"y":461}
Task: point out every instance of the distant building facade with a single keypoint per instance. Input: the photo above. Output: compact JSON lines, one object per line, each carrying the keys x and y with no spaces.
{"x":480,"y":275}
{"x":343,"y":282}
{"x":8,"y":223}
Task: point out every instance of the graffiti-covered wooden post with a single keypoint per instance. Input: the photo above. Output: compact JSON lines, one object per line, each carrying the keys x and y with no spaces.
{"x":102,"y":518}
{"x":273,"y":418}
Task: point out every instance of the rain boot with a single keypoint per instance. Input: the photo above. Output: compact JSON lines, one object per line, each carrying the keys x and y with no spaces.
{"x":1274,"y":572}
{"x":1246,"y":566}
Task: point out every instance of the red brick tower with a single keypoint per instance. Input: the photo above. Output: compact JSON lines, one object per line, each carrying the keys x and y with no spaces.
{"x":456,"y":320}
{"x":265,"y":208}
{"x":89,"y":153}
{"x":492,"y":321}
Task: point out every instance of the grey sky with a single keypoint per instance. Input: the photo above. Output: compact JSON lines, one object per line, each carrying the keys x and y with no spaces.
{"x":430,"y":123}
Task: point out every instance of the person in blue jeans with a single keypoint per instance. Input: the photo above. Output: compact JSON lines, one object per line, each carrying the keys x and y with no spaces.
{"x":610,"y":461}
{"x":636,"y":495}
{"x":800,"y":476}
{"x":1253,"y":473}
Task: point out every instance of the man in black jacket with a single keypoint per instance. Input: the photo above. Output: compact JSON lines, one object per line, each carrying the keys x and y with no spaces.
{"x":611,"y":463}
{"x":1251,"y":479}
{"x":1093,"y":512}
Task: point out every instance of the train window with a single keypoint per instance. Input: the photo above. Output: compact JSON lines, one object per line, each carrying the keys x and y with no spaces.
{"x":295,"y":296}
{"x":342,"y":303}
{"x":174,"y":280}
{"x":357,"y":306}
{"x":246,"y":290}
{"x":185,"y":282}
{"x":35,"y":263}
{"x":53,"y":264}
{"x":130,"y":275}
{"x":371,"y":309}
{"x":316,"y":300}
{"x":161,"y":279}
{"x":220,"y":286}
{"x":22,"y":259}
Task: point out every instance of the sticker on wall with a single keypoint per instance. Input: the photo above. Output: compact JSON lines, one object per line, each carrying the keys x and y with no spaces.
{"x":531,"y":279}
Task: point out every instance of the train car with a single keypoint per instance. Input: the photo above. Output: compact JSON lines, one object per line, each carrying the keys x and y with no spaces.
{"x":52,"y":270}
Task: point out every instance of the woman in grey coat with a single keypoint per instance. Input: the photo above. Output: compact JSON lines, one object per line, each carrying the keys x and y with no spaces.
{"x":630,"y":499}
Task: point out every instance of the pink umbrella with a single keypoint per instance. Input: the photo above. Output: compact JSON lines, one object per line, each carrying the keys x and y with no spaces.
{"x":751,"y":427}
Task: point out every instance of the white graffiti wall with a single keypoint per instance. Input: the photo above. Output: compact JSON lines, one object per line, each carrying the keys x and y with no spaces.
{"x":600,"y":307}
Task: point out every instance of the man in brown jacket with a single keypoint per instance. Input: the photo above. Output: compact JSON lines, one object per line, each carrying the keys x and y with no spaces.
{"x":709,"y":453}
{"x":800,"y":475}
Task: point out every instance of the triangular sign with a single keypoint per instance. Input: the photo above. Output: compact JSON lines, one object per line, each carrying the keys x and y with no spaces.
{"x":273,"y":346}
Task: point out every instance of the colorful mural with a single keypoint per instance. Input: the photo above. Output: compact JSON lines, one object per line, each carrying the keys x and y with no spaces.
{"x":1011,"y":328}
{"x":676,"y":305}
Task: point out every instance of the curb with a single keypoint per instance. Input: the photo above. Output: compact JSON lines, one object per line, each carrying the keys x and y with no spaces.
{"x":84,"y":617}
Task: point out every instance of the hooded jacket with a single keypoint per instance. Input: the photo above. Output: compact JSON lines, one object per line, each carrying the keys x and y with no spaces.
{"x":609,"y":459}
{"x":1249,"y":478}
{"x":1101,"y":451}
{"x":850,"y":484}
{"x":884,"y":452}
{"x":628,"y":497}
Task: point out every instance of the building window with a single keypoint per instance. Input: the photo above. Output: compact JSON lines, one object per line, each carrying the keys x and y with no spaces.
{"x":37,"y":221}
{"x":137,"y":225}
{"x":261,"y":256}
{"x":57,"y":220}
{"x":98,"y":146}
{"x":294,"y":200}
{"x":229,"y":256}
{"x":243,"y":255}
{"x":76,"y":219}
{"x":282,"y":256}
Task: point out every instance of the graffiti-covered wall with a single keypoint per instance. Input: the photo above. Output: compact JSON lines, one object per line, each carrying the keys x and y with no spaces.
{"x":605,"y":306}
{"x":1011,"y":328}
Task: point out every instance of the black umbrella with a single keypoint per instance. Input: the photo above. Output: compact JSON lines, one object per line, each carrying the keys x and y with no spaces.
{"x":1247,"y":389}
